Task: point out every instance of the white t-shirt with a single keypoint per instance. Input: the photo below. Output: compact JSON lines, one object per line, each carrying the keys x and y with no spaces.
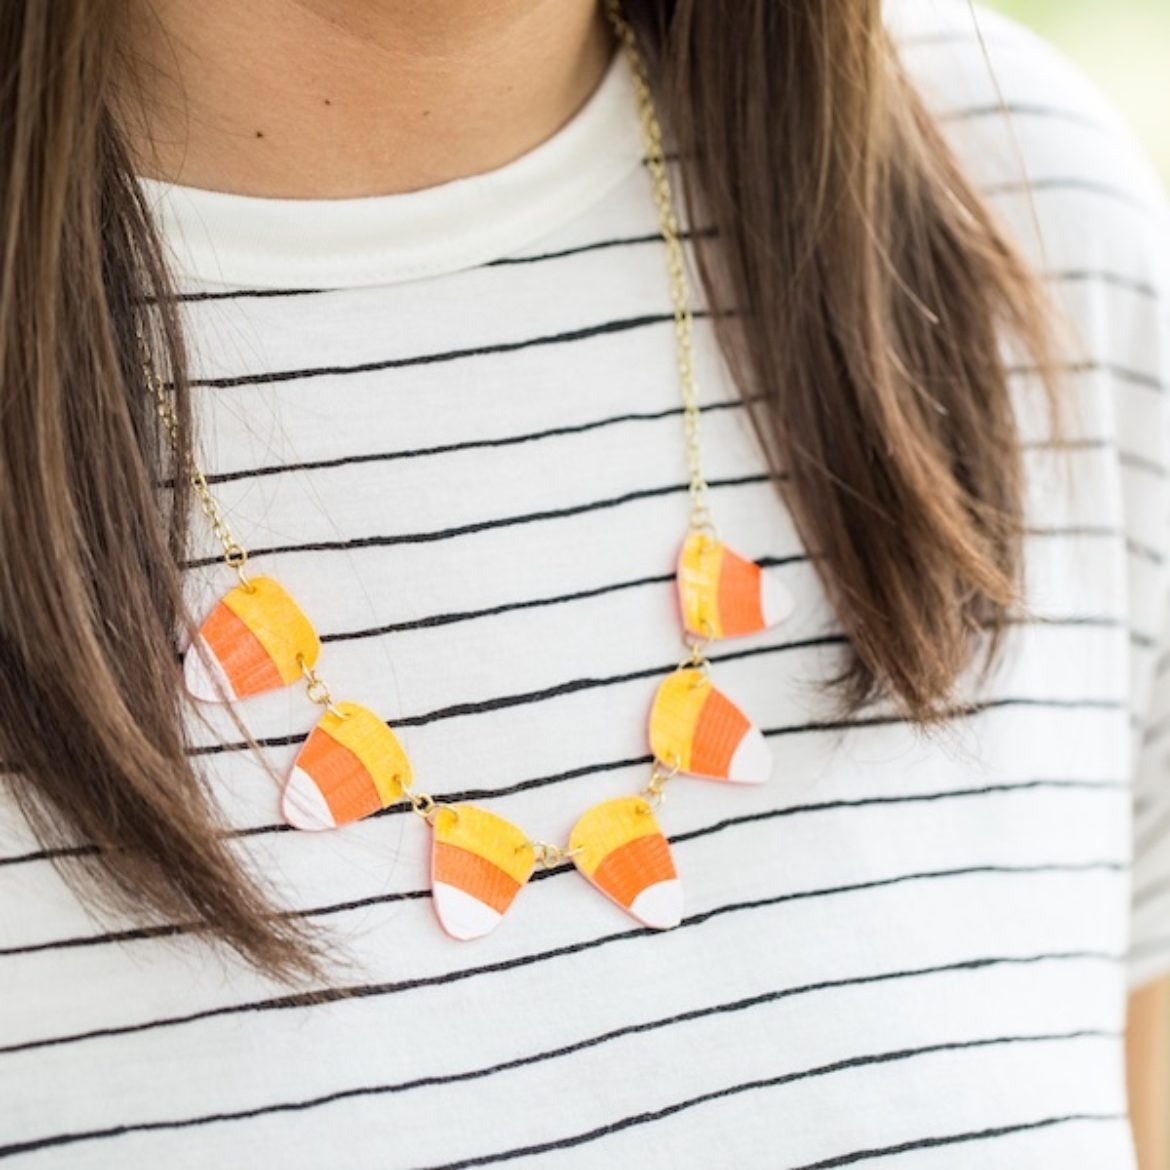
{"x":449,"y":423}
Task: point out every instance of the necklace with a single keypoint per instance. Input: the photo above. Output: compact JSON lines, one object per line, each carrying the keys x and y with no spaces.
{"x":352,"y":765}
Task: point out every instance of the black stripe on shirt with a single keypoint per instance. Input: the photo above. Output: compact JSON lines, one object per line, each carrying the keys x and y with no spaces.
{"x":454,"y":617}
{"x":299,"y":1000}
{"x":869,"y":1059}
{"x":976,"y":1135}
{"x":449,"y":617}
{"x":582,"y":333}
{"x":597,"y":768}
{"x":708,"y":233}
{"x":389,"y":540}
{"x":1020,"y":110}
{"x":170,"y":930}
{"x":1104,"y":276}
{"x":503,"y":261}
{"x":356,"y":459}
{"x":599,"y":682}
{"x":527,"y":1061}
{"x":1069,"y":183}
{"x":1128,"y":458}
{"x":1121,"y":373}
{"x":525,"y":698}
{"x":468,"y":444}
{"x":619,"y":325}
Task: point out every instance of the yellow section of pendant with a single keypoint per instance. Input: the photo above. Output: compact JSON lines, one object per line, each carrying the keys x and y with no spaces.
{"x":675,"y":716}
{"x":699,"y":566}
{"x":724,"y":595}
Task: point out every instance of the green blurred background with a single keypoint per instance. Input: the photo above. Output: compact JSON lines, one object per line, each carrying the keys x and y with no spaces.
{"x":1124,"y":45}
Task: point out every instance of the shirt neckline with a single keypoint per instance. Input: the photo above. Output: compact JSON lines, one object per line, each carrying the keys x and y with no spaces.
{"x":258,"y":242}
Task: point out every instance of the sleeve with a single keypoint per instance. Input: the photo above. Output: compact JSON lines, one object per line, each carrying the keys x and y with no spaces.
{"x":1067,"y":176}
{"x":1149,"y":934}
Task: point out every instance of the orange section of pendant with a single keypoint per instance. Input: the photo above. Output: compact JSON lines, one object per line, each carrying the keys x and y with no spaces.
{"x":246,"y":665}
{"x":719,"y":730}
{"x":633,"y":867}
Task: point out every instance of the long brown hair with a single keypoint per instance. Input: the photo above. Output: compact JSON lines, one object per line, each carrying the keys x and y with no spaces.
{"x":867,"y":291}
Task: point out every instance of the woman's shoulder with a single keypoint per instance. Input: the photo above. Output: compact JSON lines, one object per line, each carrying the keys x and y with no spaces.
{"x":971,"y":56}
{"x":1040,"y":140}
{"x":1066,"y":176}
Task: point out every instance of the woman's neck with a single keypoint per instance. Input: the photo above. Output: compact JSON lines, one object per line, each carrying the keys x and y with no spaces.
{"x":335,"y":98}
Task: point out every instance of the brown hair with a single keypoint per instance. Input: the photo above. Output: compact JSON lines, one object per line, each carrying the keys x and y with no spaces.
{"x":869,"y":287}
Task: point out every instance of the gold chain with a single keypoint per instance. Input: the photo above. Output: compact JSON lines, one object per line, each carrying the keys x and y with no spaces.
{"x":675,"y":261}
{"x":234,"y":553}
{"x":668,"y":221}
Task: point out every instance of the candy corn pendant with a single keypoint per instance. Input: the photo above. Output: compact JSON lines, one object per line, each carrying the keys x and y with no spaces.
{"x":350,"y":766}
{"x":479,"y":863}
{"x":619,"y":848}
{"x":695,"y":728}
{"x":722,"y":594}
{"x":254,"y":640}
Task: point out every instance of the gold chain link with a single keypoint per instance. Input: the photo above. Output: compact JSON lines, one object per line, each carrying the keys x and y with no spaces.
{"x":234,"y":553}
{"x":675,"y":261}
{"x":548,"y":856}
{"x":426,"y":806}
{"x":317,"y":689}
{"x":660,"y":776}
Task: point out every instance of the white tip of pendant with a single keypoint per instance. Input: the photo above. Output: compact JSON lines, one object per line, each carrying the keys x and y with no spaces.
{"x":202,"y":675}
{"x":462,"y":916}
{"x":659,"y":906}
{"x":752,"y":762}
{"x":303,"y":805}
{"x":776,"y":599}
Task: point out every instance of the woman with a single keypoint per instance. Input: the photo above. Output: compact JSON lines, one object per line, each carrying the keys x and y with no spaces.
{"x":411,"y":276}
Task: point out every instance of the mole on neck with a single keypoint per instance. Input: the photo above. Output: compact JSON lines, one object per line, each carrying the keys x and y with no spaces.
{"x":321,"y":99}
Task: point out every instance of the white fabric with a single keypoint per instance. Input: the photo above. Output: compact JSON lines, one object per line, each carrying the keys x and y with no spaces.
{"x":463,"y":456}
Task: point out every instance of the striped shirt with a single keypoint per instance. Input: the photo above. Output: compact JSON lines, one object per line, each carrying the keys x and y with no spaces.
{"x":448,"y":422}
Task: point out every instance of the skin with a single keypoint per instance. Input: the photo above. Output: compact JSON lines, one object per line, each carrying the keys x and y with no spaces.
{"x":1148,"y":1072}
{"x":337,"y":98}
